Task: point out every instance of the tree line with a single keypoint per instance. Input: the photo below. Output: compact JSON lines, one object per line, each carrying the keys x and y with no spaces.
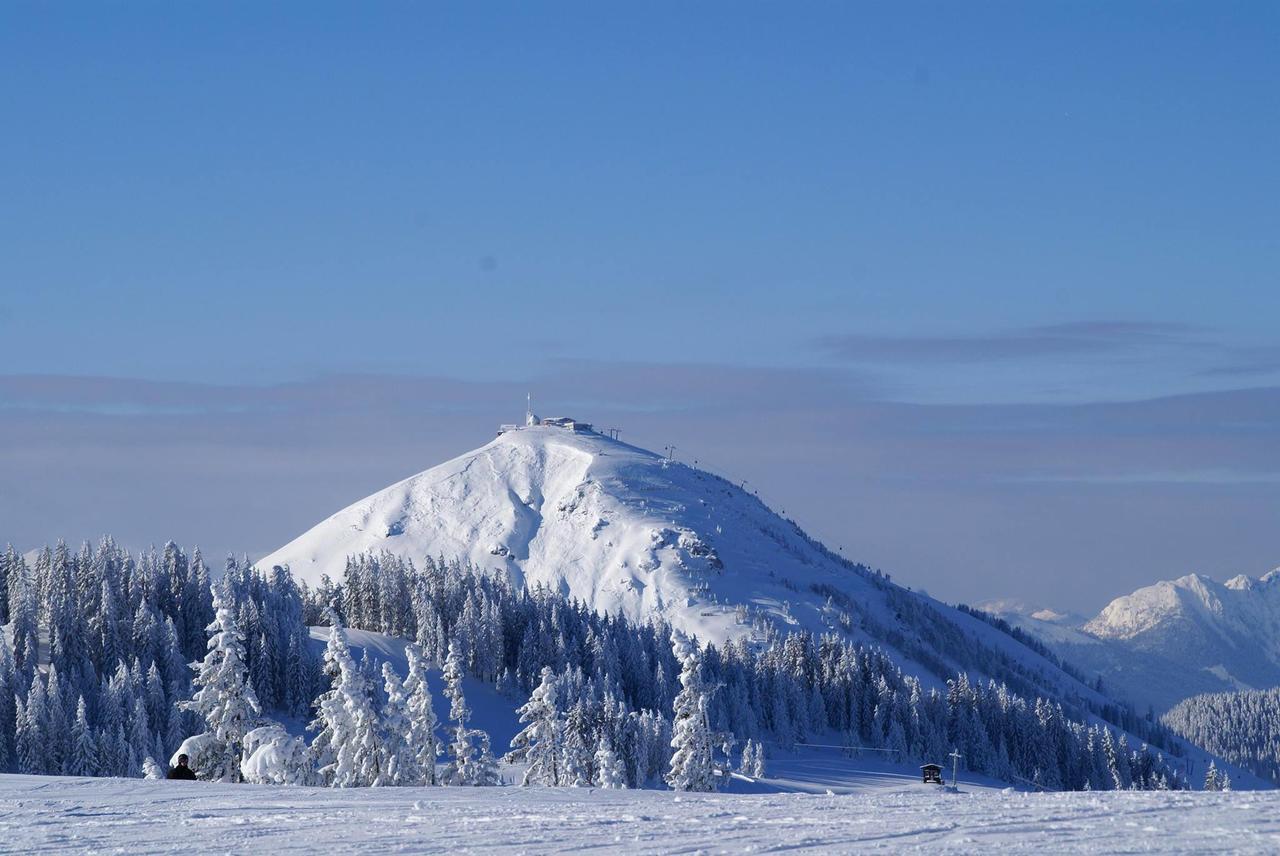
{"x":609,"y":700}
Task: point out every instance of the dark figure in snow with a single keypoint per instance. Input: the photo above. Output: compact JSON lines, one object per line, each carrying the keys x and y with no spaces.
{"x":182,"y":771}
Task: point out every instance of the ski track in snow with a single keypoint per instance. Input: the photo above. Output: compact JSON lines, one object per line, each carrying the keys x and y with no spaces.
{"x":45,"y":815}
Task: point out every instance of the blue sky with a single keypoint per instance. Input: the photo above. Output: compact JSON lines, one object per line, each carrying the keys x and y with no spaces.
{"x":689,"y":217}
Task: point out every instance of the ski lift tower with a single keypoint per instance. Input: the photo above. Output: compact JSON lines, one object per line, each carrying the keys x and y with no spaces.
{"x":955,"y":757}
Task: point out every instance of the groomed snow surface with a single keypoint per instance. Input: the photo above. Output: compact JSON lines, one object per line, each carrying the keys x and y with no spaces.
{"x":46,"y":815}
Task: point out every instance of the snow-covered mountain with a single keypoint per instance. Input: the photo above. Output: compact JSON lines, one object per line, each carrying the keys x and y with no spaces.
{"x":626,"y":530}
{"x":1174,"y":639}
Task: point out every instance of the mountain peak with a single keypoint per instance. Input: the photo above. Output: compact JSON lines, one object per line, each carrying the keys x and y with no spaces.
{"x":616,"y":526}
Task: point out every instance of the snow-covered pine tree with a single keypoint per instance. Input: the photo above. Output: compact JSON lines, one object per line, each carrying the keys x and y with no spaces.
{"x":757,"y":761}
{"x":577,"y":759}
{"x":139,"y":735}
{"x":224,"y":699}
{"x":84,"y":749}
{"x":1212,"y":781}
{"x":28,"y":739}
{"x":348,"y":747}
{"x":399,"y":759}
{"x":8,"y":692}
{"x":461,"y":767}
{"x":610,"y":773}
{"x":752,"y":759}
{"x":538,"y":743}
{"x":273,"y":757}
{"x":151,"y":770}
{"x":692,"y":766}
{"x":486,"y":766}
{"x":422,"y":716}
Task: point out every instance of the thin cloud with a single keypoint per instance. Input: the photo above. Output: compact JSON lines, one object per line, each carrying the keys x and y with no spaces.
{"x":1163,"y":486}
{"x":1247,"y":362}
{"x":1083,"y":338}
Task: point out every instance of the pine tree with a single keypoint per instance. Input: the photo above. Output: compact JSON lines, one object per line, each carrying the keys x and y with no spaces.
{"x":610,"y":773}
{"x":757,"y":765}
{"x":460,"y":769}
{"x":486,"y":766}
{"x":348,"y":746}
{"x":1212,"y":782}
{"x":8,"y":693}
{"x":29,"y":740}
{"x":577,"y":758}
{"x":399,"y":761}
{"x":422,"y":715}
{"x":224,"y":698}
{"x":538,"y":744}
{"x":139,"y":735}
{"x":57,"y":728}
{"x":84,"y":749}
{"x":151,"y":770}
{"x":753,"y":759}
{"x":691,"y":768}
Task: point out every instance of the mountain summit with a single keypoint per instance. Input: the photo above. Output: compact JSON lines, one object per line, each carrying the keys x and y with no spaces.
{"x":626,"y":530}
{"x":615,"y":526}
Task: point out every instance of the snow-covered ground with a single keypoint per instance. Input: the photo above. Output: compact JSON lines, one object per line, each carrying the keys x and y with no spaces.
{"x":46,"y":815}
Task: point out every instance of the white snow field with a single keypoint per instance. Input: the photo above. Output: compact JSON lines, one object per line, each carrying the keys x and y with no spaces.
{"x":52,"y":815}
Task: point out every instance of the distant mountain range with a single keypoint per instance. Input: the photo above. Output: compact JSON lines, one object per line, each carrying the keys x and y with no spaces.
{"x":1171,"y":640}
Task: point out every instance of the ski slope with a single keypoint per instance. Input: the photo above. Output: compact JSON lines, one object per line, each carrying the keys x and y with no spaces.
{"x":65,"y":815}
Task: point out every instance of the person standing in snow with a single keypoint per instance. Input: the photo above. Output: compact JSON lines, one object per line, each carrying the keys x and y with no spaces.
{"x":182,"y":771}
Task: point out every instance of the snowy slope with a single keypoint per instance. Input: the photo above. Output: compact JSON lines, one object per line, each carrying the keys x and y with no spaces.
{"x":623,"y":529}
{"x":594,"y":518}
{"x":46,"y":815}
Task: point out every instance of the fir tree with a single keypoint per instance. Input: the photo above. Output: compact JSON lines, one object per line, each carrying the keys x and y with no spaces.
{"x":486,"y":766}
{"x":1212,"y":781}
{"x":691,"y":765}
{"x":84,"y":749}
{"x":151,"y":770}
{"x":8,"y":692}
{"x":538,"y":743}
{"x":224,"y":698}
{"x":29,"y":740}
{"x":422,"y":716}
{"x":348,"y":746}
{"x":460,"y":769}
{"x":610,"y":773}
{"x":400,"y":763}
